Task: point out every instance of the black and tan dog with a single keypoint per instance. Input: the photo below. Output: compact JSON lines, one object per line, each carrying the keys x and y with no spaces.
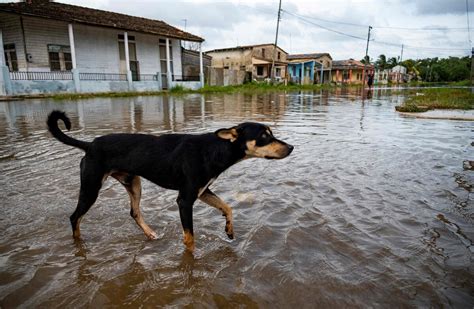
{"x":184,"y":162}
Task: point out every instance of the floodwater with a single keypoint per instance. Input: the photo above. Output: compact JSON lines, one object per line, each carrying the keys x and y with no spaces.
{"x":372,"y":209}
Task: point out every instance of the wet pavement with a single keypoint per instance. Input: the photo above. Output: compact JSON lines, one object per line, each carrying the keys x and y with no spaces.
{"x":372,"y":208}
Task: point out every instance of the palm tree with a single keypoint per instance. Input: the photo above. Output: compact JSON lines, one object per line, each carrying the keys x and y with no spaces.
{"x":392,"y":62}
{"x":381,"y":63}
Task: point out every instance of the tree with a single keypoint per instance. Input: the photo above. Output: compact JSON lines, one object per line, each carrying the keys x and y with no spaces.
{"x":365,"y":60}
{"x":393,"y":61}
{"x":381,"y":63}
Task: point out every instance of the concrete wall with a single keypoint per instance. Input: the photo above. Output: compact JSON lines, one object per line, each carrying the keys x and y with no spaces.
{"x":188,"y":85}
{"x":38,"y":34}
{"x":42,"y":86}
{"x":224,"y":77}
{"x":96,"y":49}
{"x":233,"y":59}
{"x":10,"y":25}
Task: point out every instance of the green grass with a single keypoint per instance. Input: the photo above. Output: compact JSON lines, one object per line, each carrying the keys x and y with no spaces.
{"x":438,"y":98}
{"x":462,"y":83}
{"x":180,"y":90}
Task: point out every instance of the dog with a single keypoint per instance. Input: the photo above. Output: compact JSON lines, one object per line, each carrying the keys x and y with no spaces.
{"x":188,"y":163}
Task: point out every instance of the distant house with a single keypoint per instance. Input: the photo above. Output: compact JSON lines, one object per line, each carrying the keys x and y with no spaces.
{"x":310,"y":68}
{"x":256,"y":60}
{"x":55,"y":47}
{"x":399,"y":74}
{"x":382,"y":77}
{"x":349,"y":71}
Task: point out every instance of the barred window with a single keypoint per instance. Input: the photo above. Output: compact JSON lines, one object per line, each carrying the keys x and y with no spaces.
{"x":60,"y":58}
{"x":10,"y":57}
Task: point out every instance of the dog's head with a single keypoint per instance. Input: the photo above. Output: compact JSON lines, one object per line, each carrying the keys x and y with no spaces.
{"x":257,"y":140}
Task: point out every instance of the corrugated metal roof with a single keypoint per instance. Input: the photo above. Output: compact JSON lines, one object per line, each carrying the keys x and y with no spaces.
{"x":308,"y":56}
{"x":349,"y":63}
{"x":243,"y":47}
{"x":88,"y":16}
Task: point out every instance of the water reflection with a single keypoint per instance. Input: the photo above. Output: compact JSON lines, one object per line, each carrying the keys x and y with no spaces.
{"x":372,"y":206}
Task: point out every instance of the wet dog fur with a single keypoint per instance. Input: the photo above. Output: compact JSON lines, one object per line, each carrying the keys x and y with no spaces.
{"x":184,"y":162}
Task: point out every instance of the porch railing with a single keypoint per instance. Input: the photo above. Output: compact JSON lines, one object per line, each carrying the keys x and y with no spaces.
{"x":54,"y":75}
{"x":103,"y":76}
{"x":148,"y":77}
{"x":186,"y":78}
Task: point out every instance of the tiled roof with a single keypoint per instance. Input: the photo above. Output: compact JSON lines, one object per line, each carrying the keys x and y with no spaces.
{"x":88,"y":16}
{"x":308,"y":56}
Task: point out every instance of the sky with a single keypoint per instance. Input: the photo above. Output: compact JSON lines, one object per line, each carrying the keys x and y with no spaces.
{"x":426,"y":28}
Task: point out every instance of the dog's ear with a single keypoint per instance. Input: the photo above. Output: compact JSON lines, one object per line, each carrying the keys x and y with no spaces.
{"x":230,"y":134}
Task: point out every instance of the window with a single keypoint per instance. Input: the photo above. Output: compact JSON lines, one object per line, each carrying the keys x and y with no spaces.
{"x":345,"y":75}
{"x":59,"y":58}
{"x":279,"y":55}
{"x":162,"y":45}
{"x":132,"y":55}
{"x":263,"y":52}
{"x":278,"y":72}
{"x":130,"y":37}
{"x":259,"y":71}
{"x":10,"y":57}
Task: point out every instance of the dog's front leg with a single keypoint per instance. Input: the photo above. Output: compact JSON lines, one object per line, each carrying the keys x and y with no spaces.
{"x":213,"y":200}
{"x":185,"y":201}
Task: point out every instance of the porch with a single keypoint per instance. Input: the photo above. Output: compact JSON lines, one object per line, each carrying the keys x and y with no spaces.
{"x":41,"y":54}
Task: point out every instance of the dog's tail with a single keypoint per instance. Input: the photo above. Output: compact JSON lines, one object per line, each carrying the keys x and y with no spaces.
{"x":58,"y":134}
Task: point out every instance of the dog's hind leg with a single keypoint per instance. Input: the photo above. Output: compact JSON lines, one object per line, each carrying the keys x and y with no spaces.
{"x":91,"y":182}
{"x":213,"y":200}
{"x":133,"y":185}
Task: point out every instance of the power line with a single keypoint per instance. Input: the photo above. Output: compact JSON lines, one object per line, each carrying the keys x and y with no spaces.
{"x":375,"y":41}
{"x":384,"y":27}
{"x":323,"y":27}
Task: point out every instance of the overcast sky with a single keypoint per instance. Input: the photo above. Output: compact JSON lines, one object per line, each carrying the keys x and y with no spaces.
{"x":232,"y":23}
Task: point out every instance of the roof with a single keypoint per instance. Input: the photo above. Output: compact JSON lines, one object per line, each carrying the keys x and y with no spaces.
{"x":349,"y":63}
{"x":308,"y":56}
{"x":194,"y":53}
{"x":243,"y":47}
{"x":88,"y":16}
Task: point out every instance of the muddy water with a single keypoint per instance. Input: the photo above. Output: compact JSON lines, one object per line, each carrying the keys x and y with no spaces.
{"x":371,"y":209}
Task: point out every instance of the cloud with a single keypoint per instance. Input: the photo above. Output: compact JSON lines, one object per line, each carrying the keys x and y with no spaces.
{"x":439,"y":7}
{"x":227,"y":23}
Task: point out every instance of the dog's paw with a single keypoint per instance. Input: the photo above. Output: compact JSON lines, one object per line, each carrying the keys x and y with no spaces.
{"x":152,"y":235}
{"x":229,"y":231}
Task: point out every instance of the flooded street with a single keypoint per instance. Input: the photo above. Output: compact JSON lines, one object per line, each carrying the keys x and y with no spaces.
{"x":372,"y":208}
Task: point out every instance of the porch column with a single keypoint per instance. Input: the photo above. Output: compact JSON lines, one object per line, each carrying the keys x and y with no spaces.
{"x":302,"y":74}
{"x":75,"y":72}
{"x":322,"y":73}
{"x":127,"y":60}
{"x":168,"y":65}
{"x":201,"y":67}
{"x":350,"y":76}
{"x":5,"y":82}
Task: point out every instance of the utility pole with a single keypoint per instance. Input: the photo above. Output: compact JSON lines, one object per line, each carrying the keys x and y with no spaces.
{"x":276,"y":42}
{"x":400,"y":68}
{"x":401,"y":55}
{"x":185,"y":22}
{"x":472,"y":66}
{"x":366,"y":56}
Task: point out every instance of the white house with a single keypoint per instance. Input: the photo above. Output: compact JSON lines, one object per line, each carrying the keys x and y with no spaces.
{"x":54,"y":47}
